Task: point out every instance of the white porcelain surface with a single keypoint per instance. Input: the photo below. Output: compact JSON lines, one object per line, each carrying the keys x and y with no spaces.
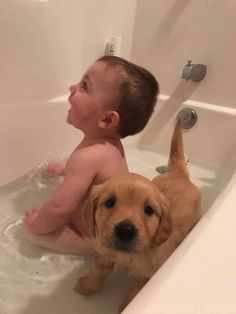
{"x":169,"y":33}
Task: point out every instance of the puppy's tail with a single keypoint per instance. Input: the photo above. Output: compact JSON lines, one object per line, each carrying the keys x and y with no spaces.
{"x":177,"y":160}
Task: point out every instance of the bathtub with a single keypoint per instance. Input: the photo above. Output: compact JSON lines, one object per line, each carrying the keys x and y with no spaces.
{"x":200,"y":275}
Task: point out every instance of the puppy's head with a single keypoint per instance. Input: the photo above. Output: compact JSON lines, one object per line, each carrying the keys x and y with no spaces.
{"x":128,"y":213}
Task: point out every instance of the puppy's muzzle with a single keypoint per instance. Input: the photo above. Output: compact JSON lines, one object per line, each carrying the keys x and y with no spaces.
{"x":125,"y":234}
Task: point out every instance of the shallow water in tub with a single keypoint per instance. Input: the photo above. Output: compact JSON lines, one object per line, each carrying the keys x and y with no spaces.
{"x":35,"y":280}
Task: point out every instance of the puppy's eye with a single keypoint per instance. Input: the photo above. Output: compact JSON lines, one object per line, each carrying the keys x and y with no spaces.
{"x":110,"y":202}
{"x":148,"y":210}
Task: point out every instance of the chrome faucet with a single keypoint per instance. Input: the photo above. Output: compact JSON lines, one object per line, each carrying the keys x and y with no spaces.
{"x":194,"y":72}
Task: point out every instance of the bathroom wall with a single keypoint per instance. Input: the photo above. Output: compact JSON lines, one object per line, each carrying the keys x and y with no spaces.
{"x":46,"y":45}
{"x":168,"y":33}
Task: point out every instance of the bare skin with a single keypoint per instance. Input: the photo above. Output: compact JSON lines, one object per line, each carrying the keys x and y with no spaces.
{"x":58,"y":224}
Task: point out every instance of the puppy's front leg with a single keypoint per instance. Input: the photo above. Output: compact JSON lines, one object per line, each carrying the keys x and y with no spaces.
{"x":93,"y":282}
{"x":132,"y":293}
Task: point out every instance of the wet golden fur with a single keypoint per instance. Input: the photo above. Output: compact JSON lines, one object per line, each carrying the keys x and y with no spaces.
{"x":175,"y":208}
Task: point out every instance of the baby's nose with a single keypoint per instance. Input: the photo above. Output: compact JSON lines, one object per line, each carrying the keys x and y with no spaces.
{"x":73,"y":88}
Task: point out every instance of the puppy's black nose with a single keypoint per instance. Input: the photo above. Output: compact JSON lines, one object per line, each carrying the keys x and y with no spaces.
{"x":125,"y":231}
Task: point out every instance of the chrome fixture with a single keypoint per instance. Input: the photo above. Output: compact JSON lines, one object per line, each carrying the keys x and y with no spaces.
{"x":162,"y":169}
{"x":188,"y":118}
{"x":194,"y":72}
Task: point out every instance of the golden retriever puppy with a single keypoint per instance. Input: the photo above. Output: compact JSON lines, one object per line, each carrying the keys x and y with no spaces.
{"x":138,"y":223}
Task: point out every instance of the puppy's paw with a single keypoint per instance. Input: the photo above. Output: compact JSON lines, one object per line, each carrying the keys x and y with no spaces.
{"x":87,"y":286}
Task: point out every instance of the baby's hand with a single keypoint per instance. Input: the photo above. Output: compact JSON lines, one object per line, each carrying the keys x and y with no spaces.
{"x":29,"y":218}
{"x":54,"y":169}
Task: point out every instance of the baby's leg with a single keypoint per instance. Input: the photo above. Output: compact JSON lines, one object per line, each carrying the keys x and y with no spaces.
{"x":65,"y":240}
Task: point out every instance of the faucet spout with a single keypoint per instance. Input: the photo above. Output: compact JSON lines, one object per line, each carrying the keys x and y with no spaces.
{"x":186,"y":74}
{"x":195,"y":72}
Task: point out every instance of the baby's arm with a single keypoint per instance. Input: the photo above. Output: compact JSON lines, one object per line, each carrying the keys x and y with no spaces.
{"x":57,"y":210}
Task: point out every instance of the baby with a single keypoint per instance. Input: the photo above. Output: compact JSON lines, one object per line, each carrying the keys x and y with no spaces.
{"x":114,"y":99}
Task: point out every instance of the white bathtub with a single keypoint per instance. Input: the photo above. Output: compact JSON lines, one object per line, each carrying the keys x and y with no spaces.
{"x":199,"y":277}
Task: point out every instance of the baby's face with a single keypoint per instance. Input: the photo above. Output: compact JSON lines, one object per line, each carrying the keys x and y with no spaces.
{"x":96,"y":93}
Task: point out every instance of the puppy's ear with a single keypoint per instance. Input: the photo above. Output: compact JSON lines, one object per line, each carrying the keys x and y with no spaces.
{"x":90,"y":211}
{"x":165,"y":227}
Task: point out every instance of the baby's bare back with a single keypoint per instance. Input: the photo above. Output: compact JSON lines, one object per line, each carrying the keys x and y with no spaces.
{"x":104,"y":159}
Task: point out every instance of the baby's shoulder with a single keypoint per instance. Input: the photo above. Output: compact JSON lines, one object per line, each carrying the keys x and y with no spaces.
{"x":100,"y":160}
{"x":108,"y":150}
{"x":102,"y":153}
{"x":90,"y":154}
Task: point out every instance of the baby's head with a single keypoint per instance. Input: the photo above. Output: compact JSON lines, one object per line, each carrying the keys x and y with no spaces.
{"x":114,"y":98}
{"x":137,"y":94}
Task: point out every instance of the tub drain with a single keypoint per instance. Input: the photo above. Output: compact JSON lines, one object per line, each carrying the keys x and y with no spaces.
{"x":161,"y":169}
{"x":188,"y":118}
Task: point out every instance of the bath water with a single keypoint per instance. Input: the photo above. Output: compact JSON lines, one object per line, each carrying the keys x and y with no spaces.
{"x":36,"y":280}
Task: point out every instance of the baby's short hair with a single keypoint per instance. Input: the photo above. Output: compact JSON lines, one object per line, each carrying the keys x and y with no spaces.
{"x":138,"y":95}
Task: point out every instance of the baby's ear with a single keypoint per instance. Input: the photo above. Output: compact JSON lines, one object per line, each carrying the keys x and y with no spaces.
{"x":109,"y":120}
